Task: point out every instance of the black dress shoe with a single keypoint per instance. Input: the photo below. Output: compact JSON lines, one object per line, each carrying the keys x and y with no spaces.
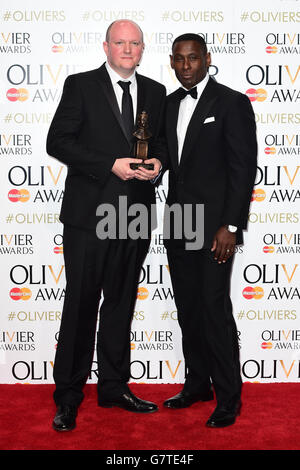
{"x":128,"y":401}
{"x":65,"y":418}
{"x":185,"y":399}
{"x":224,"y":415}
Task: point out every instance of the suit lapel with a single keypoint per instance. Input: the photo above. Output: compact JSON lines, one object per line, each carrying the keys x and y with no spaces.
{"x":108,"y":90}
{"x":141,"y":96}
{"x":171,"y":129}
{"x":202,"y":109}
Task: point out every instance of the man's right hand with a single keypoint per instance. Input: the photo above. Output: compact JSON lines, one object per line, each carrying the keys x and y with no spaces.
{"x":121,"y":168}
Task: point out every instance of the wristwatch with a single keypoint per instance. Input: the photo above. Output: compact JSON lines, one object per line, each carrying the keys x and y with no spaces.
{"x":231,"y":228}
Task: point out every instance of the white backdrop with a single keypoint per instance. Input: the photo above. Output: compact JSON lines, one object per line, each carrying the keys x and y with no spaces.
{"x":255,"y":49}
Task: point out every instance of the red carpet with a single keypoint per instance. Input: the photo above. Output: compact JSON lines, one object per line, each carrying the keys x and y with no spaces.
{"x":270,"y":420}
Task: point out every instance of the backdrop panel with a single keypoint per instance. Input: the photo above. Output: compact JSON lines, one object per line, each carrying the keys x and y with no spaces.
{"x":255,"y":49}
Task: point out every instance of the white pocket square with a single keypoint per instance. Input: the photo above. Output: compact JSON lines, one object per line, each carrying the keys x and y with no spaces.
{"x":209,"y":119}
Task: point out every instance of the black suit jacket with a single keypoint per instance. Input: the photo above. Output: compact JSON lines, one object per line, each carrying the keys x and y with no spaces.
{"x":218,"y":162}
{"x":87,"y":135}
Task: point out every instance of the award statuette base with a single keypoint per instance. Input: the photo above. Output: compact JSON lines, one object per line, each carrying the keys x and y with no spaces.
{"x":141,"y":151}
{"x":147,"y":166}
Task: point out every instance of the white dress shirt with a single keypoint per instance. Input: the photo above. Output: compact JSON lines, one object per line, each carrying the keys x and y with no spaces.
{"x":186,"y":109}
{"x":115,"y":77}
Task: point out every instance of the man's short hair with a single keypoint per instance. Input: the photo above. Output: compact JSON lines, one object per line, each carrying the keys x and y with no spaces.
{"x":191,"y":37}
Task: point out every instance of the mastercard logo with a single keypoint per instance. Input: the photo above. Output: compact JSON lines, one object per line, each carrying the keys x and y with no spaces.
{"x":256,"y":95}
{"x":266,"y":345}
{"x":142,"y":293}
{"x":258,"y":195}
{"x":20,"y":294}
{"x":58,"y":249}
{"x":18,"y":195}
{"x":271,"y":50}
{"x":270,"y":150}
{"x":268,"y":249}
{"x":14,"y":94}
{"x":253,"y":293}
{"x":57,"y":49}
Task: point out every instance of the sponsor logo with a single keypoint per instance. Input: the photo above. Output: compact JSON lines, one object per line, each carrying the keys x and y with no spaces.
{"x":253,"y":292}
{"x":281,"y":339}
{"x":18,"y":195}
{"x":274,"y":75}
{"x":288,"y":145}
{"x":142,"y":293}
{"x":258,"y":195}
{"x":17,"y":293}
{"x":270,"y":150}
{"x":282,"y":242}
{"x":17,"y":94}
{"x":256,"y":94}
{"x":271,"y":49}
{"x":268,"y":249}
{"x":57,"y":49}
{"x":286,"y":43}
{"x":266,"y":345}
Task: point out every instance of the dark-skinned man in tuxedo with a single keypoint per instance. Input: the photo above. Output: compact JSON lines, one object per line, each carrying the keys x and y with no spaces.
{"x":211,"y":137}
{"x":91,"y":133}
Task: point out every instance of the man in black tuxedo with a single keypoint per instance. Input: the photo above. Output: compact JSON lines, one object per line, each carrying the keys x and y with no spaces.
{"x":211,"y":136}
{"x":91,"y":133}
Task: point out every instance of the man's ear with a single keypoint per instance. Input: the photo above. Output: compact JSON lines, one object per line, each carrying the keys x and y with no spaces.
{"x":208,"y":59}
{"x":105,"y":47}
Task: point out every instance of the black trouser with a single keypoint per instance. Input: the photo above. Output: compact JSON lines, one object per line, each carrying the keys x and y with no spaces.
{"x":209,"y":335}
{"x":93,"y":267}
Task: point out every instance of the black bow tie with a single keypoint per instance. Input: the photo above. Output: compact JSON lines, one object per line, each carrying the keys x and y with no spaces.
{"x":183,"y":93}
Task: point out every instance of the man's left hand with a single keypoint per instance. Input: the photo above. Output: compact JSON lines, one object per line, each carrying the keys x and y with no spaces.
{"x":145,"y":175}
{"x":223,"y":244}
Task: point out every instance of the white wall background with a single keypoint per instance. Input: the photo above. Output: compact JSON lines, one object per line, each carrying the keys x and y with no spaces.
{"x":43,"y":42}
